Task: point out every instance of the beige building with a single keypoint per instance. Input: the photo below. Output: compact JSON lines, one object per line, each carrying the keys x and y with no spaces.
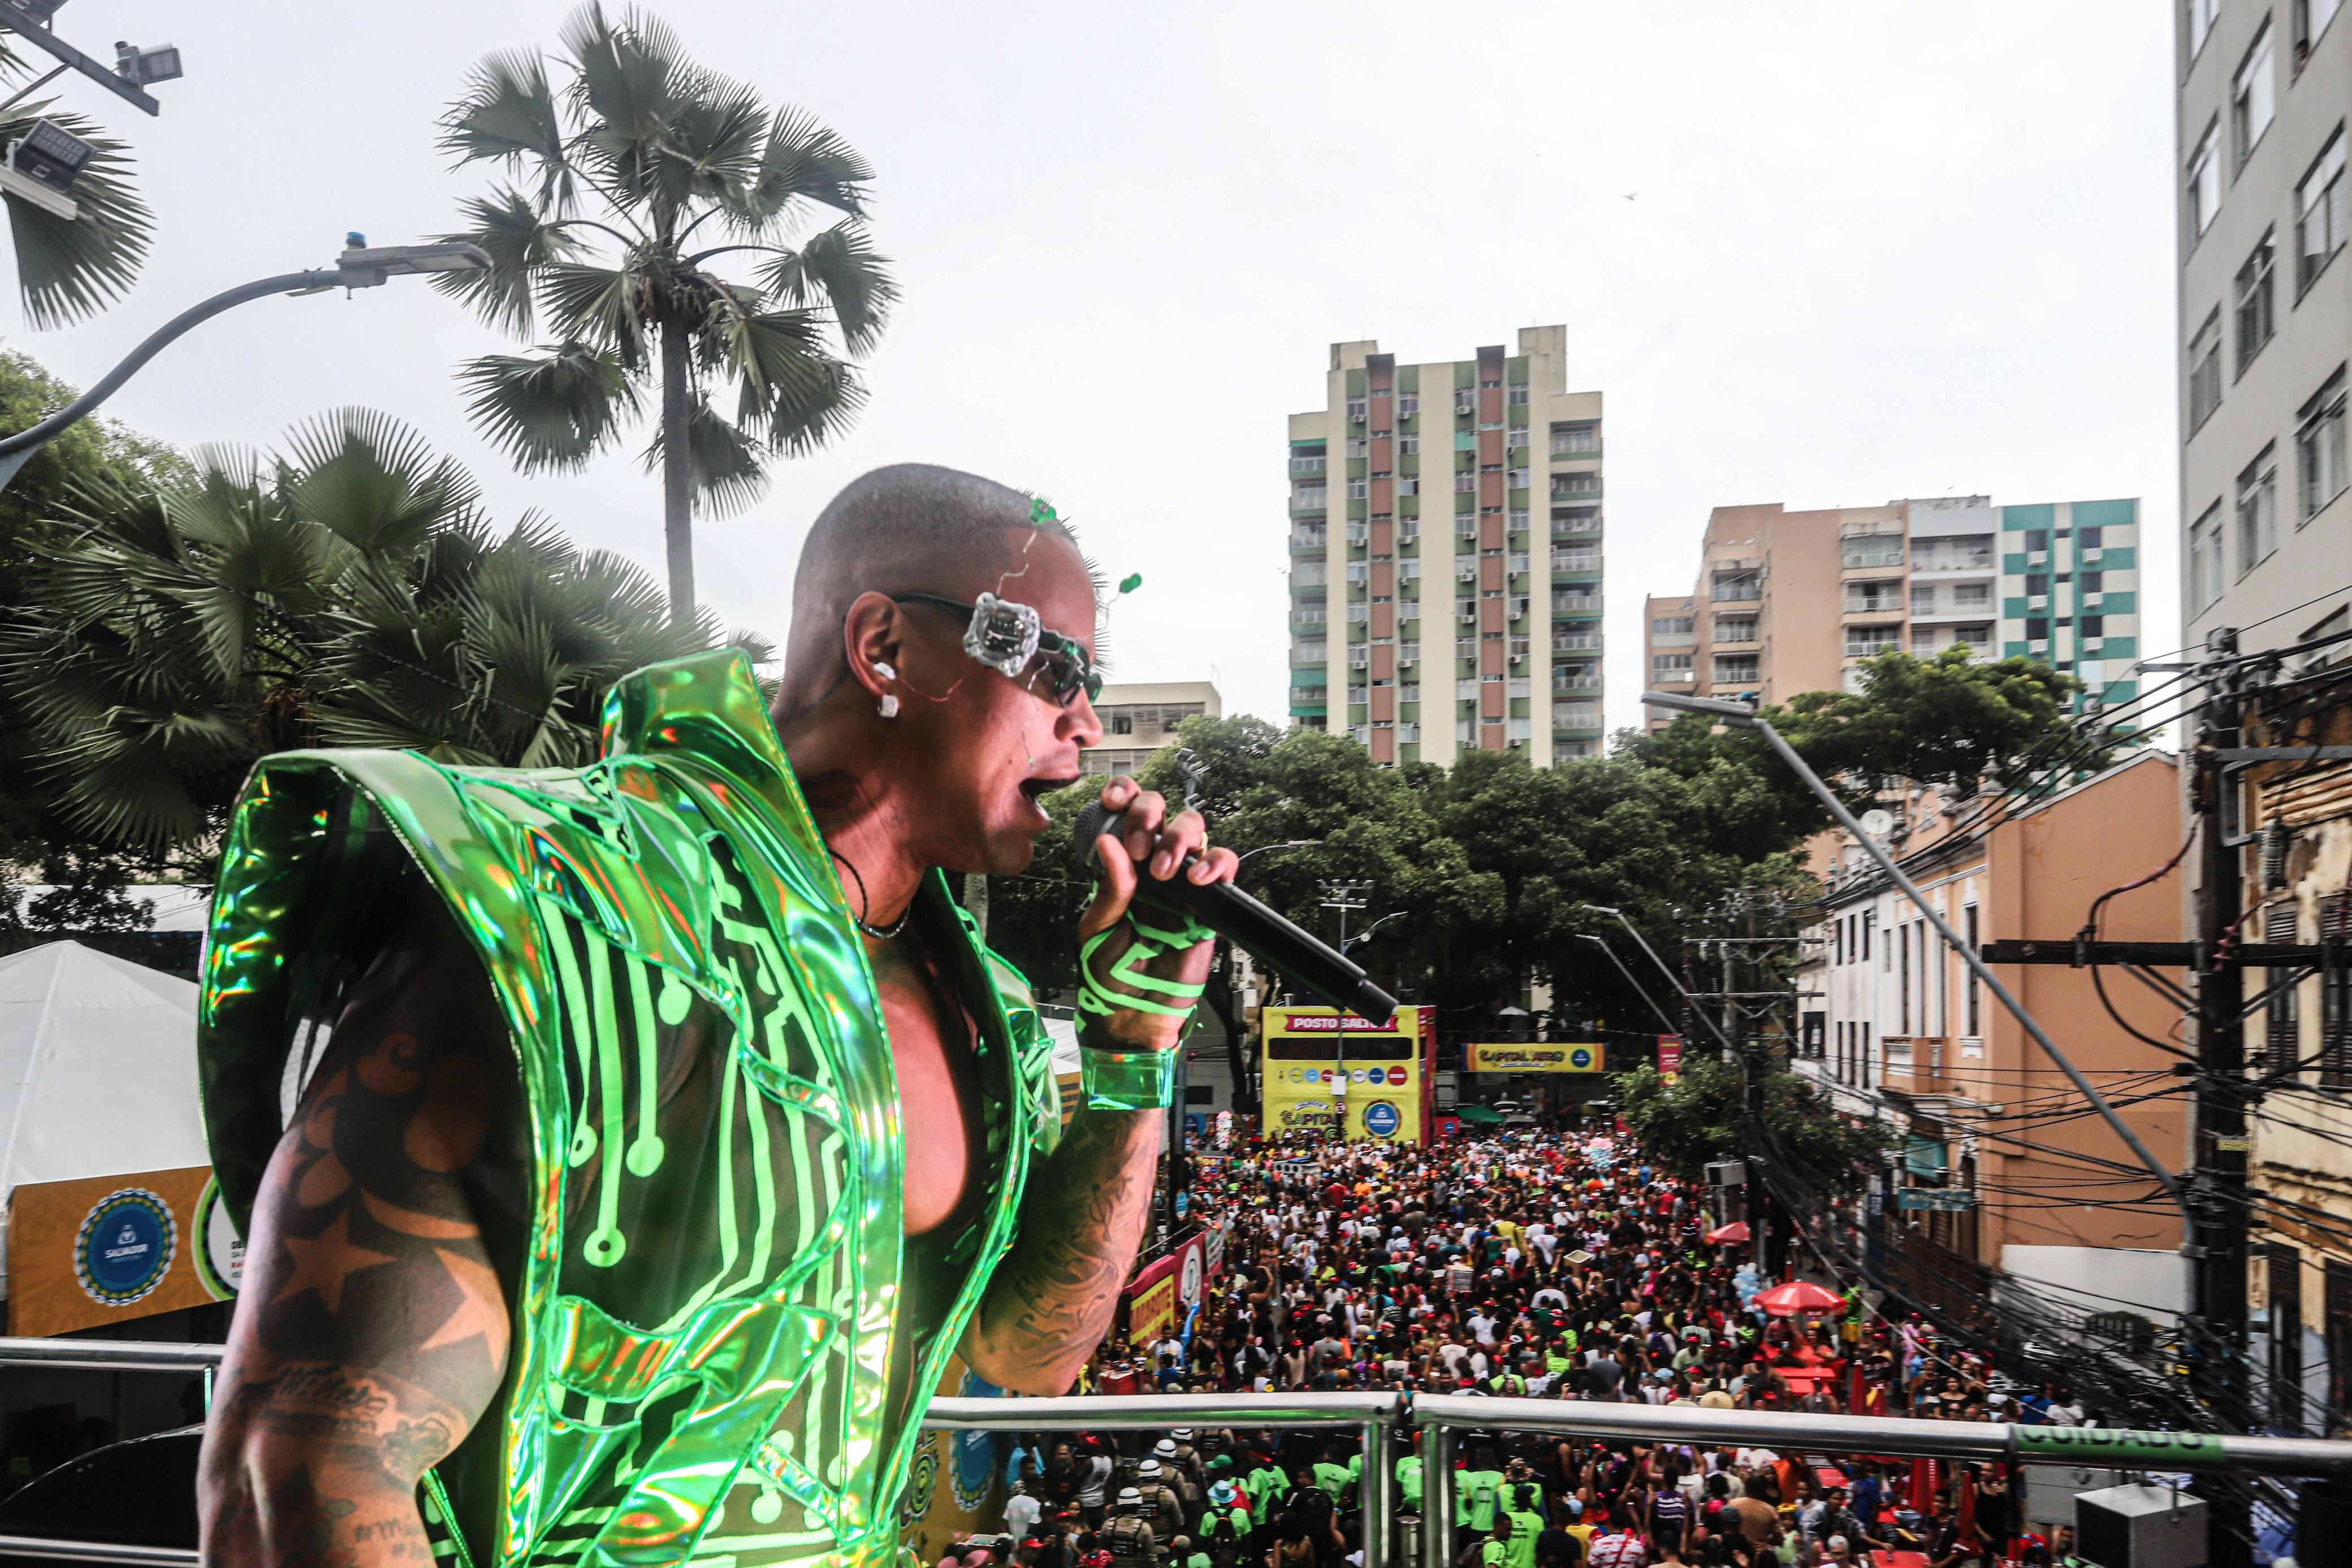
{"x":2265,"y":318}
{"x":1794,"y":601}
{"x":1141,"y":717}
{"x":1430,"y":618}
{"x":1990,"y":1178}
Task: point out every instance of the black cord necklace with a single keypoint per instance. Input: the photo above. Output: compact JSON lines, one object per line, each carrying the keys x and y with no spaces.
{"x":866,"y":904}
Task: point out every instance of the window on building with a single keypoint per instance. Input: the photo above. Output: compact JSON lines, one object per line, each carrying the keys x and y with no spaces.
{"x":2282,"y":1024}
{"x":1409,"y":443}
{"x":1672,"y":663}
{"x":1584,"y":482}
{"x":1873,"y":596}
{"x":1409,"y":486}
{"x":2090,"y":628}
{"x":2336,"y":996}
{"x":1575,"y":520}
{"x":2319,"y":447}
{"x":1923,"y":598}
{"x":1736,"y":669}
{"x":1975,"y":1029}
{"x":2283,"y":1263}
{"x":2204,"y":183}
{"x":2257,"y":511}
{"x":2037,"y":630}
{"x":1968,"y":595}
{"x":2311,"y":19}
{"x":1310,"y":499}
{"x":2319,"y":206}
{"x":1673,"y":625}
{"x":1518,"y":398}
{"x":2205,"y":560}
{"x":1517,"y":479}
{"x":1465,"y":483}
{"x":2252,"y":95}
{"x":2335,"y":1327}
{"x":1869,"y":641}
{"x":1582,"y":436}
{"x":1359,"y":446}
{"x":1735,"y":628}
{"x":2205,"y":372}
{"x":1737,"y":585}
{"x":2202,"y":13}
{"x":1871,"y":549}
{"x":1356,"y":410}
{"x":2037,"y":585}
{"x":1408,"y":403}
{"x":2256,"y":320}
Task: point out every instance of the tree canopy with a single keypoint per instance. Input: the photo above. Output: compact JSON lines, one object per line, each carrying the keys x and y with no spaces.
{"x":347,"y":591}
{"x":1699,"y":1117}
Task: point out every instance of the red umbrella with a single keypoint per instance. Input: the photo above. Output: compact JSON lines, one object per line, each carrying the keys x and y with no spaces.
{"x":1734,"y":1231}
{"x":1787,"y":1301}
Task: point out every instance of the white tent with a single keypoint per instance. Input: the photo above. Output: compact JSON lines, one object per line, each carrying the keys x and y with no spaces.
{"x":97,"y":1068}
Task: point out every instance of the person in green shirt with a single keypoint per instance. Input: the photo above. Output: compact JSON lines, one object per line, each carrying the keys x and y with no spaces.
{"x":1265,"y":1483}
{"x":1408,"y":1475}
{"x":1520,"y":1529}
{"x":1334,"y":1478}
{"x":1474,"y":1493}
{"x":1495,"y":1551}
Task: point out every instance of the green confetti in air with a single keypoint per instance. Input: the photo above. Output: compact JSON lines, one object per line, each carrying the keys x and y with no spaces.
{"x":1133,"y":580}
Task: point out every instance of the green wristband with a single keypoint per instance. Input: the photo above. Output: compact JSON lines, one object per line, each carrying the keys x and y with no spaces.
{"x":1126,"y":1080}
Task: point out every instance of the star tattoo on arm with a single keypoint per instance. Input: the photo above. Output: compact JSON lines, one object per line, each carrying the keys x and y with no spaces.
{"x":372,"y":1331}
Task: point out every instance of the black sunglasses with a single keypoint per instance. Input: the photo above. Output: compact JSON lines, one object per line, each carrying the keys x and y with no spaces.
{"x":1005,"y":636}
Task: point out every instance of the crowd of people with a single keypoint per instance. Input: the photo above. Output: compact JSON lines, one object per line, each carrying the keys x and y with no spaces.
{"x":1539,"y":1265}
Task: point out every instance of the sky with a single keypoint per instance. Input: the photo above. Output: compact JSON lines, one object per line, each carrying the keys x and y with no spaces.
{"x":1819,"y":253}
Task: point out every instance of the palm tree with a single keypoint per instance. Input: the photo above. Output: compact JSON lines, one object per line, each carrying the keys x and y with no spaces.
{"x":347,"y":591}
{"x":627,"y":183}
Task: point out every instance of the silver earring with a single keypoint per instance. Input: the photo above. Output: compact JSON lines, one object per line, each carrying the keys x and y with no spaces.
{"x":888,"y":706}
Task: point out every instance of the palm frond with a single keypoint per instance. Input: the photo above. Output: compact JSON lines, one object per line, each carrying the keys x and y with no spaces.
{"x":551,"y":411}
{"x":622,"y":84}
{"x":596,"y":305}
{"x":70,"y":268}
{"x":520,"y":240}
{"x":508,"y":115}
{"x":373,"y":482}
{"x":726,"y":466}
{"x":803,"y":162}
{"x":838,"y":267}
{"x":711,"y":151}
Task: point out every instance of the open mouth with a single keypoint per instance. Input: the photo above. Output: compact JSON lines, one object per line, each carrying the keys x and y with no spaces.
{"x":1034,"y":791}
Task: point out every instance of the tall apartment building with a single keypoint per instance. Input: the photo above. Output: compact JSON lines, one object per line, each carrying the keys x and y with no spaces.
{"x":2265,"y":321}
{"x":1429,"y":619}
{"x":2263,"y":96}
{"x":1793,"y":602}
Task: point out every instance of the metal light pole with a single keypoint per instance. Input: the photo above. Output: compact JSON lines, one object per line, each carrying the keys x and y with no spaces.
{"x":1342,"y":896}
{"x":357,"y":267}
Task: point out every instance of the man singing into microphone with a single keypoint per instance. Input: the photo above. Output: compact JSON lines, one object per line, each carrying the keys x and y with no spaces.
{"x":622,"y":1152}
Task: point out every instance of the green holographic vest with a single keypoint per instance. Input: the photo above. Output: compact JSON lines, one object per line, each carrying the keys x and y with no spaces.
{"x":714,"y":1270}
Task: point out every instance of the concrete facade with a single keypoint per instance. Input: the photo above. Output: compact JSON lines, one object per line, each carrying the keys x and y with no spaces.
{"x":2265,"y":320}
{"x":1140,"y":717}
{"x":1446,"y":547}
{"x":1794,"y":601}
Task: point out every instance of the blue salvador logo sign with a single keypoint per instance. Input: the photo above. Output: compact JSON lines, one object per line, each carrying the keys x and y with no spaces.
{"x":1380,"y":1119}
{"x":125,"y":1246}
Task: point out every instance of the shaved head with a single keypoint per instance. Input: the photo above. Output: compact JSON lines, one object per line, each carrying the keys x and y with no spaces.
{"x":909,"y":528}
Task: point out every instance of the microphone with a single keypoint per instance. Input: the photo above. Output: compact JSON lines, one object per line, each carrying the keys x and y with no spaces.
{"x":1297,"y":954}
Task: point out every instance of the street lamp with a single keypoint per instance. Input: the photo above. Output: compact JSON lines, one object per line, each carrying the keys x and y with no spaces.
{"x":357,"y":267}
{"x":1291,"y":844}
{"x":1743,"y":715}
{"x":1361,"y":937}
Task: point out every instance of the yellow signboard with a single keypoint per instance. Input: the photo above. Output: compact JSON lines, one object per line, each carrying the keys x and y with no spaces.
{"x":1563,"y":1056}
{"x":104,"y":1250}
{"x":1324,"y":1069}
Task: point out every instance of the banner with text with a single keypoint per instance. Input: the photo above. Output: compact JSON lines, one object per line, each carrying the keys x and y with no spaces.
{"x":1565,"y":1056}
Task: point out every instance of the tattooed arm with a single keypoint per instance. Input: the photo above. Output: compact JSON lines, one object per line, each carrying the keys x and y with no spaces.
{"x":1083,"y":1216}
{"x":371,"y":1332}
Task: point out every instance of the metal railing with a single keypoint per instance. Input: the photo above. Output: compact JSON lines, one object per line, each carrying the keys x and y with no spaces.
{"x":1381,"y":1419}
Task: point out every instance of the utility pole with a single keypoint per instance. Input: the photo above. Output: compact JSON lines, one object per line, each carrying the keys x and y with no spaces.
{"x":2217,"y":1252}
{"x":1342,"y":896}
